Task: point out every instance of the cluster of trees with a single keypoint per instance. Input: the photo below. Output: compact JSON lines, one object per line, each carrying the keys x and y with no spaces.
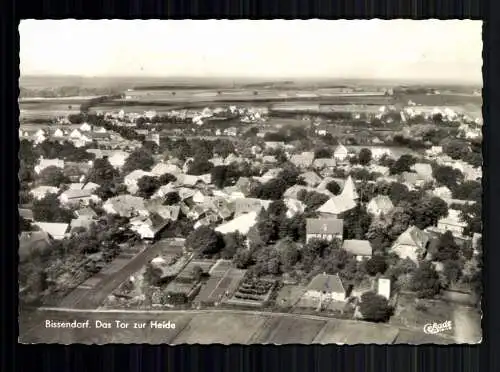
{"x":403,"y":164}
{"x":275,"y":188}
{"x":287,"y":135}
{"x":469,"y":152}
{"x":49,"y":209}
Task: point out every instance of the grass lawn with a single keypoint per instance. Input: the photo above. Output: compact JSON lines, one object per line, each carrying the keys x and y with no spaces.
{"x":289,"y":295}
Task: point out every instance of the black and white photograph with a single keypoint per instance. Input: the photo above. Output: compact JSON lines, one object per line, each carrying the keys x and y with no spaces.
{"x":250,"y":181}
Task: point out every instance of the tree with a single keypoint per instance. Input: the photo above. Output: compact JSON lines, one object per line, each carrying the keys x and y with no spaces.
{"x":425,"y":281}
{"x":197,"y":273}
{"x":447,"y":248}
{"x":139,"y":159}
{"x":452,"y":271}
{"x":403,"y":164}
{"x":288,"y":254}
{"x":312,"y":199}
{"x":469,"y":190}
{"x":147,"y":186}
{"x":397,"y":192}
{"x":166,"y":178}
{"x":365,"y":156}
{"x":428,"y":211}
{"x":102,"y":172}
{"x":233,"y":242}
{"x":333,"y":187}
{"x":200,"y":166}
{"x":323,"y":153}
{"x":204,"y":240}
{"x":356,"y":223}
{"x":376,"y":265}
{"x":152,"y":275}
{"x":172,"y":198}
{"x":447,"y":176}
{"x":223,"y":148}
{"x":374,"y":307}
{"x":243,"y":258}
{"x":219,"y":174}
{"x":456,"y":149}
{"x":48,"y":209}
{"x":53,"y":176}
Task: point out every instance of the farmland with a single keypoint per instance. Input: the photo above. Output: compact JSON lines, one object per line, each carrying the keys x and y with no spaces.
{"x":215,"y":326}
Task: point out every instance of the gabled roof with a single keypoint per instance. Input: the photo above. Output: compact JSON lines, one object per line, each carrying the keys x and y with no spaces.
{"x":337,"y":204}
{"x":382,"y":202}
{"x":327,"y":283}
{"x":311,"y":178}
{"x":137,"y":174}
{"x":56,"y":230}
{"x":77,"y":194}
{"x":324,"y":162}
{"x":413,"y":236}
{"x":349,"y":190}
{"x":423,"y":169}
{"x":246,"y":205}
{"x":453,"y":218}
{"x":242,"y":224}
{"x":27,"y":214}
{"x":341,"y":150}
{"x":162,"y":168}
{"x":304,"y":159}
{"x":358,"y":247}
{"x":324,"y":226}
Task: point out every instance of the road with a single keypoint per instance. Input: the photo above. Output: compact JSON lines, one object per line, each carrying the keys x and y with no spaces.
{"x":92,"y":298}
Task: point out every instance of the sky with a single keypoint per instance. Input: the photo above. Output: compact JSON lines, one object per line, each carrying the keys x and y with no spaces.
{"x":448,"y":50}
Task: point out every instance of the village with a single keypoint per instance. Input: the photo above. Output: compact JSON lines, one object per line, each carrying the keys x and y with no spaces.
{"x":237,"y":208}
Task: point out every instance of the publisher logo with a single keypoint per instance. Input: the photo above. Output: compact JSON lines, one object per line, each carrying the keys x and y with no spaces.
{"x":434,"y":328}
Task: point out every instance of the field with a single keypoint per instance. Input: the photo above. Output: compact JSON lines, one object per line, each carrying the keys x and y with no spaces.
{"x":289,"y":295}
{"x":289,"y":330}
{"x":351,"y":332}
{"x":466,"y":320}
{"x":220,"y":326}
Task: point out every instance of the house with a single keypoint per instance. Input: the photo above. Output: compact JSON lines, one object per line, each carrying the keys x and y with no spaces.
{"x":81,"y":223}
{"x":274,"y":145}
{"x":269,"y":159}
{"x":303,"y":160}
{"x":379,"y":152}
{"x":380,"y":204}
{"x":341,"y":153}
{"x":26,"y":214}
{"x":91,"y":186}
{"x":133,"y":177}
{"x":424,"y":171}
{"x":148,"y":228}
{"x":163,"y":168}
{"x":434,"y":151}
{"x":241,"y":223}
{"x":72,"y":197}
{"x":45,"y":163}
{"x":33,"y":241}
{"x":269,"y":175}
{"x":452,"y":222}
{"x":85,"y":212}
{"x":335,"y":206}
{"x":349,"y":189}
{"x":294,"y":207}
{"x":362,"y":249}
{"x":380,"y":169}
{"x":126,"y":206}
{"x":41,"y":191}
{"x":117,"y":158}
{"x":310,"y":178}
{"x":246,"y":205}
{"x":412,"y":244}
{"x":384,"y":287}
{"x":75,"y":134}
{"x":85,"y":127}
{"x":324,"y":163}
{"x":55,"y":230}
{"x":442,"y":192}
{"x":326,"y":287}
{"x":324,"y":228}
{"x":58,"y":133}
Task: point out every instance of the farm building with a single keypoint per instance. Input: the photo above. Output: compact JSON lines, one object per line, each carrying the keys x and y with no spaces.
{"x":324,"y":228}
{"x":362,"y":249}
{"x":326,"y":287}
{"x":412,"y":244}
